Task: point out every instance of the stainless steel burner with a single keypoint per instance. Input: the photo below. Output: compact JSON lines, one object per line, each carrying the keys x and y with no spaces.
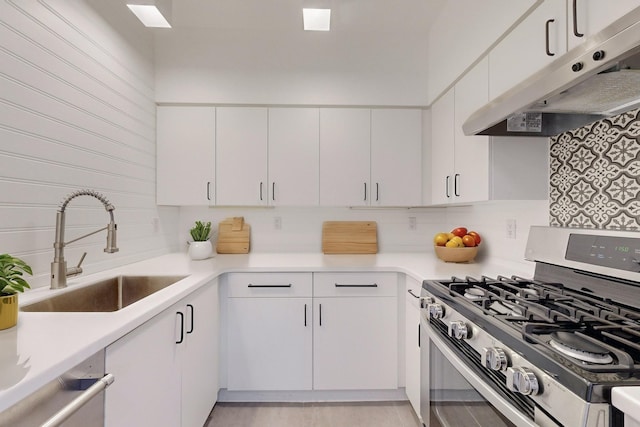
{"x":473,"y":293}
{"x":574,"y":346}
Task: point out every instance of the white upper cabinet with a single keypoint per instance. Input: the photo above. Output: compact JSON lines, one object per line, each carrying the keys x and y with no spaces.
{"x":478,"y":168}
{"x":537,"y":41}
{"x":471,"y":166}
{"x":294,"y":157}
{"x":396,"y":157}
{"x":442,"y":148}
{"x":461,"y":32}
{"x":370,"y":157}
{"x":345,"y":138}
{"x":186,"y":138}
{"x":460,"y":163}
{"x":241,"y":156}
{"x":588,"y":17}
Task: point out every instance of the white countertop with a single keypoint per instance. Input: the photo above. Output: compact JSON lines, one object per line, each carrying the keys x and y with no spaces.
{"x":45,"y":345}
{"x":627,"y":399}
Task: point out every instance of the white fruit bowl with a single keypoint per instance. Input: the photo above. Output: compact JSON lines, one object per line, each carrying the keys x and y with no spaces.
{"x":456,"y":254}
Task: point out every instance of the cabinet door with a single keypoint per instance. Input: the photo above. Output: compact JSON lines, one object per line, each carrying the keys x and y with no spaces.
{"x":442,"y":148}
{"x":270,"y":344}
{"x":241,"y":156}
{"x":471,"y":166}
{"x":146,"y":365}
{"x":527,"y":48}
{"x":200,"y":356}
{"x":588,"y":17}
{"x":412,"y":343}
{"x":355,"y":343}
{"x":345,"y":146}
{"x":396,"y":157}
{"x":186,"y":138}
{"x":294,"y":157}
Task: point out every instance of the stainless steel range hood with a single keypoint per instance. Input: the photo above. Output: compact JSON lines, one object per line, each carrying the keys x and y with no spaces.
{"x":597,"y":79}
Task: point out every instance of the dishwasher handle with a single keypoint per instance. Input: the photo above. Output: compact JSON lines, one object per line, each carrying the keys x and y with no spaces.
{"x":77,"y":403}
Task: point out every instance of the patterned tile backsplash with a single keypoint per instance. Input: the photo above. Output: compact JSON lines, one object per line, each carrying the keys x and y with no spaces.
{"x":595,"y":175}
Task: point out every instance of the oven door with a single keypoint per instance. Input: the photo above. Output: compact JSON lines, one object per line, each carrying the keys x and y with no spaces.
{"x":458,"y":396}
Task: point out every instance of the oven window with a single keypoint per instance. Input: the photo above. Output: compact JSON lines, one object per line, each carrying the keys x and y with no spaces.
{"x":453,"y":401}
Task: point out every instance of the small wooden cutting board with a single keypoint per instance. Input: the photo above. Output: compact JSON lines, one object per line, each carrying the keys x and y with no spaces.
{"x":234,"y":236}
{"x":349,"y":237}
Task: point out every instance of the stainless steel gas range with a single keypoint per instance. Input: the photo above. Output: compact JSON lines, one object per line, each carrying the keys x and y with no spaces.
{"x":546,"y":351}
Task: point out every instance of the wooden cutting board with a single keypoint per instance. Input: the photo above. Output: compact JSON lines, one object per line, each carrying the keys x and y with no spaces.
{"x":234,"y":236}
{"x":349,"y":237}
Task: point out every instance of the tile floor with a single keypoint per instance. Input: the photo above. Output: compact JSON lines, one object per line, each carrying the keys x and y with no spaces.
{"x":360,"y":414}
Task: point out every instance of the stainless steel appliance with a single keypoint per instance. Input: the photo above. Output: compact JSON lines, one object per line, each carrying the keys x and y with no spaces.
{"x":546,"y":351}
{"x":74,"y":399}
{"x":597,"y":79}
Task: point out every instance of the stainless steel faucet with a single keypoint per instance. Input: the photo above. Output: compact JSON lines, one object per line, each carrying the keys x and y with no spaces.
{"x":59,"y":270}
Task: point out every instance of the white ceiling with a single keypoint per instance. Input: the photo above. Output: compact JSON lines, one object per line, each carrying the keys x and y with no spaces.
{"x":384,"y":16}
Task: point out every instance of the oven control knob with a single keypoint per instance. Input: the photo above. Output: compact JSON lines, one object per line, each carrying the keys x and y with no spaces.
{"x":425,"y":301}
{"x":522,"y":380}
{"x":494,"y":358}
{"x":459,"y":330}
{"x":436,"y":311}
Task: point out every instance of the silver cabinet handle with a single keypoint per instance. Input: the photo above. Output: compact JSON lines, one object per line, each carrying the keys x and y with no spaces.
{"x":77,"y":403}
{"x":208,"y":190}
{"x":377,"y":192}
{"x":273,"y":191}
{"x":365,"y":191}
{"x":260,"y":190}
{"x":455,"y":185}
{"x":412,"y":294}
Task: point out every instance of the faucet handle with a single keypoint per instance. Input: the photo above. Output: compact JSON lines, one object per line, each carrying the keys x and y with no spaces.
{"x":74,"y":271}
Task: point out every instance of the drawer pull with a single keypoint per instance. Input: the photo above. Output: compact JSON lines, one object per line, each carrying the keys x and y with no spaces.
{"x":370,"y":285}
{"x":269,"y":286}
{"x":412,"y":294}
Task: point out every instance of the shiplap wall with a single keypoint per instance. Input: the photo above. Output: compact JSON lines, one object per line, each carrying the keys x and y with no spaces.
{"x":77,"y":110}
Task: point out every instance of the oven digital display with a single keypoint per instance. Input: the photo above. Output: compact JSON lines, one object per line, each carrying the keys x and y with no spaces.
{"x":622,"y":253}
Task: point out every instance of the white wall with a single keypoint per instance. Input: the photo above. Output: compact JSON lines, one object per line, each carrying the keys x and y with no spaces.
{"x":302,"y":227}
{"x":202,"y":65}
{"x":77,"y":110}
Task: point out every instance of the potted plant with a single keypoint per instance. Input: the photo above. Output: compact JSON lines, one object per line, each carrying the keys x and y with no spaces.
{"x":11,"y":282}
{"x":201,"y":247}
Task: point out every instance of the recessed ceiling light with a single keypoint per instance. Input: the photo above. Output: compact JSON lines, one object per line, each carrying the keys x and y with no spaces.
{"x":316,"y":19}
{"x":149,"y":15}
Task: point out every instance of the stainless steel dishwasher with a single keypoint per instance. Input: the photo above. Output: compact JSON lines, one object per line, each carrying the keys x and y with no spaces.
{"x":74,"y":399}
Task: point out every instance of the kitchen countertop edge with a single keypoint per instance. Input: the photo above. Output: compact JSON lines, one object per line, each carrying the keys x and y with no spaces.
{"x":46,"y":350}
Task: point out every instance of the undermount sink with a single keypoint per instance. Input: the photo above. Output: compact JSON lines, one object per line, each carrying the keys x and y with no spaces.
{"x":106,"y":295}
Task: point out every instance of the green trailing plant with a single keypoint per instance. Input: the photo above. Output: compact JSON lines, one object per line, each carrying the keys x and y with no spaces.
{"x":200,"y":232}
{"x":11,"y":271}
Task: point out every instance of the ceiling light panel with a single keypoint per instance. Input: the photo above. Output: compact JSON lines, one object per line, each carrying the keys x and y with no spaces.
{"x":149,"y":15}
{"x":316,"y":19}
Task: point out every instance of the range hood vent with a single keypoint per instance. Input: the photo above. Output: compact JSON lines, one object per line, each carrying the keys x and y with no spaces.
{"x":597,"y":79}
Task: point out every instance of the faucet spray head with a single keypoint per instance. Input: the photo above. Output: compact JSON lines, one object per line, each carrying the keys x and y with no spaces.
{"x":111,"y":238}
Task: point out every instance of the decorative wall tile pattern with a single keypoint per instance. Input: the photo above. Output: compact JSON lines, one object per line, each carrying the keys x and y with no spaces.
{"x":595,"y":175}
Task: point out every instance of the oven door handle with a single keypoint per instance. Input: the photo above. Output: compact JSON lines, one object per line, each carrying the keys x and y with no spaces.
{"x":486,"y":391}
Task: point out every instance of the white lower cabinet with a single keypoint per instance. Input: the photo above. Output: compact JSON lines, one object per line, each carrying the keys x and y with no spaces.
{"x":412,"y":342}
{"x":166,"y":370}
{"x":321,"y":331}
{"x":269,"y":330}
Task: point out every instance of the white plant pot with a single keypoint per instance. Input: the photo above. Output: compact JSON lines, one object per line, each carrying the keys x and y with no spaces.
{"x":200,"y":250}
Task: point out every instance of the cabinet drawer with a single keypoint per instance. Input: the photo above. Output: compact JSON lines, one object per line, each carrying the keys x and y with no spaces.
{"x":355,"y":284}
{"x":270,"y":285}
